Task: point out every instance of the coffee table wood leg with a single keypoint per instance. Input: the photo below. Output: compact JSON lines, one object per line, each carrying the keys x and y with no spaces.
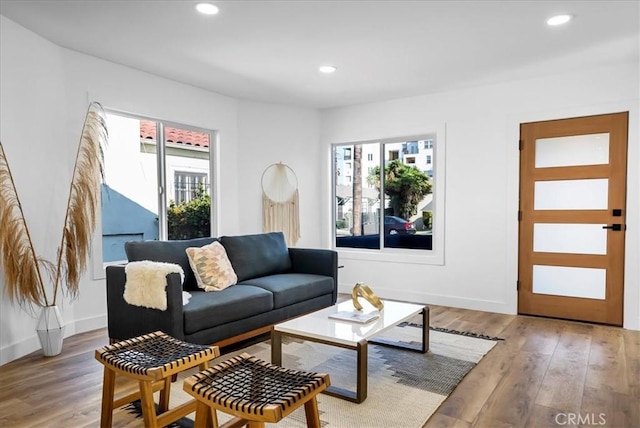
{"x":361,"y":349}
{"x":423,"y":347}
{"x":276,"y":348}
{"x":362,"y":376}
{"x":425,"y":329}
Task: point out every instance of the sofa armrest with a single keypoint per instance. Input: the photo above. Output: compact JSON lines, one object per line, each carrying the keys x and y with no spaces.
{"x":125,"y":321}
{"x":318,"y":262}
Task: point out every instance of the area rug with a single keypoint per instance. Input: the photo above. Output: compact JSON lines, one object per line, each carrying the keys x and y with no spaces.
{"x":404,"y":388}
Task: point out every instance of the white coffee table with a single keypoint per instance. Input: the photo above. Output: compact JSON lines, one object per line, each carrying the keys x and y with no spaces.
{"x":318,"y":327}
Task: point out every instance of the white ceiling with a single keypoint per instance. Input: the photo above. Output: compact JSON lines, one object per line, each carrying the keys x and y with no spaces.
{"x":271,"y":50}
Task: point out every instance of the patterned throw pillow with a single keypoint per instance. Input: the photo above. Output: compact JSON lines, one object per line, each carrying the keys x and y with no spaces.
{"x":211,"y":266}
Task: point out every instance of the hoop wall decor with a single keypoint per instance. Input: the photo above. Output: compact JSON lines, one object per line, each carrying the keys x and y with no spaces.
{"x":280,"y":201}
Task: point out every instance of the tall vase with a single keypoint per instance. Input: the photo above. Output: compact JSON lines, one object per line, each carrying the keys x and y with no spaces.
{"x":50,"y":331}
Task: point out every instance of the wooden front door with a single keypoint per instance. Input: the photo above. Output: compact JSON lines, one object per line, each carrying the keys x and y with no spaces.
{"x":572,"y":218}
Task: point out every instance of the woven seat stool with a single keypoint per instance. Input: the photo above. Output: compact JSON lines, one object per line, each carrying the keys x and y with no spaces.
{"x":152,"y":359}
{"x":254,"y":392}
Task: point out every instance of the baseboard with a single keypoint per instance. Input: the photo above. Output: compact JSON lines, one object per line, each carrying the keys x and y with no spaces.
{"x":440,"y":300}
{"x":19,"y":349}
{"x":631,"y":325}
{"x":88,"y":324}
{"x":32,"y":344}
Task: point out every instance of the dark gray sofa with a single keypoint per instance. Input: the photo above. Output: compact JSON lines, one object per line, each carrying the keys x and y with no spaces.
{"x":275,"y":283}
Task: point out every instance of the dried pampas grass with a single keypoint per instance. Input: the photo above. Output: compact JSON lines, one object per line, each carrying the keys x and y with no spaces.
{"x":23,"y":270}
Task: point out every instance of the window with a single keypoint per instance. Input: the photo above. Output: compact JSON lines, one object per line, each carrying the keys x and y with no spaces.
{"x":189,"y":186}
{"x":151,"y":190}
{"x":428,"y":144}
{"x":370,"y":156}
{"x":391,"y":205}
{"x":347,"y":153}
{"x":428,"y":159}
{"x":412,"y":148}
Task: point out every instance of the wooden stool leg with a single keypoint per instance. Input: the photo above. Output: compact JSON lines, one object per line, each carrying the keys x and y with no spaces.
{"x":204,"y":416}
{"x":108,"y":389}
{"x":165,"y":393}
{"x":311,"y":412}
{"x":255,"y":424}
{"x":148,"y":407}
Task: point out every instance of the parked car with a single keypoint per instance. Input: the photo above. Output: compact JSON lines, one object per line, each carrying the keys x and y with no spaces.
{"x":393,"y":225}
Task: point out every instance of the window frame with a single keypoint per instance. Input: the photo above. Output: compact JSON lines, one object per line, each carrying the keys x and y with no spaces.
{"x":98,"y":265}
{"x":435,"y":256}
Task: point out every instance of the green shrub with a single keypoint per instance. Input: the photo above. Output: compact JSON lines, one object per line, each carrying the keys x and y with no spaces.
{"x":191,"y":219}
{"x":427,"y":219}
{"x":341,"y":224}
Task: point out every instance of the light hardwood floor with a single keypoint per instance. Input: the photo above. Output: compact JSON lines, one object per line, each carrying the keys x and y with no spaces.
{"x":546,"y":373}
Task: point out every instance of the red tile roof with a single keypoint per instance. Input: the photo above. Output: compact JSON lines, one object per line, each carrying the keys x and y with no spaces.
{"x":174,"y":135}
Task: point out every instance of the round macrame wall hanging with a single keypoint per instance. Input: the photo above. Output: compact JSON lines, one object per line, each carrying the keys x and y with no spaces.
{"x":280,"y":202}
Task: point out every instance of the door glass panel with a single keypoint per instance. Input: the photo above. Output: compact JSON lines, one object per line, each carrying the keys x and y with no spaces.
{"x":590,"y":194}
{"x":569,"y":238}
{"x":592,"y":149}
{"x":589,"y":283}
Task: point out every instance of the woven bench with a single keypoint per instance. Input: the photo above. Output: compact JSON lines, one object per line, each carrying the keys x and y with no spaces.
{"x":152,"y":359}
{"x":254,"y":392}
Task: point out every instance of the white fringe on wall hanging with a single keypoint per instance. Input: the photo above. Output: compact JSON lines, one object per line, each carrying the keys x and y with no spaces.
{"x":280,"y":202}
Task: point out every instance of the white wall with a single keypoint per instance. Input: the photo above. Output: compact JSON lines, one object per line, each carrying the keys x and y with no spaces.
{"x":45,"y":91}
{"x":482,"y":127}
{"x":269,"y":134}
{"x":32,"y":118}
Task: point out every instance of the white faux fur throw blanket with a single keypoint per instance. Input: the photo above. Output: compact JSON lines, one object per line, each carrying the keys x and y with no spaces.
{"x":146,"y":283}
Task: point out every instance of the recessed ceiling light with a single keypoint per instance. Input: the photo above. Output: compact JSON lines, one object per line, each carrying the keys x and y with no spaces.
{"x":207,"y":8}
{"x":559,"y":20}
{"x":327,"y":69}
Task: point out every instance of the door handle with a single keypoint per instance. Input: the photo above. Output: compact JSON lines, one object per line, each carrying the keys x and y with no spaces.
{"x":615,"y":227}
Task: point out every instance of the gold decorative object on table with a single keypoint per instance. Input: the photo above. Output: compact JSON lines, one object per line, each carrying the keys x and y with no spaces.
{"x":362,"y":289}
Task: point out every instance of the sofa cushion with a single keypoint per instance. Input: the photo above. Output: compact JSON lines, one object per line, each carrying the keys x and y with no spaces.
{"x":290,"y":288}
{"x":207,"y":310}
{"x":211,"y":267}
{"x":167,"y":252}
{"x":253,"y":256}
